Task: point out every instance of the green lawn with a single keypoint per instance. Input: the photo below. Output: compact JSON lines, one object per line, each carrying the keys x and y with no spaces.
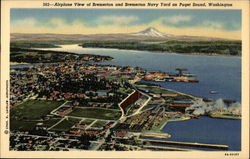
{"x":22,"y":125}
{"x":96,"y":113}
{"x":154,"y":89}
{"x":33,"y":109}
{"x":115,"y":78}
{"x":65,"y":125}
{"x":87,"y":121}
{"x":50,"y":122}
{"x":29,"y":125}
{"x":124,"y":90}
{"x":26,"y":115}
{"x":99,"y":124}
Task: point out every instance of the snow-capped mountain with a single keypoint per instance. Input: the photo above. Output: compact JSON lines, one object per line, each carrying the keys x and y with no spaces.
{"x":151,"y":32}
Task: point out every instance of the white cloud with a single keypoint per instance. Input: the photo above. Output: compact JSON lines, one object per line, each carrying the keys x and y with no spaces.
{"x":177,"y":19}
{"x":55,"y":22}
{"x":27,"y":22}
{"x":117,"y":20}
{"x":214,"y":25}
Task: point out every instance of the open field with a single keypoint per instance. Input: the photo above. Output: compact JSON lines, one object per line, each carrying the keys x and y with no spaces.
{"x":110,"y":78}
{"x":25,"y":125}
{"x":87,"y":121}
{"x":26,"y":115}
{"x":124,"y":90}
{"x":50,"y":122}
{"x":96,"y":113}
{"x":22,"y":125}
{"x":99,"y":124}
{"x":155,"y":89}
{"x":65,"y":125}
{"x":33,"y":109}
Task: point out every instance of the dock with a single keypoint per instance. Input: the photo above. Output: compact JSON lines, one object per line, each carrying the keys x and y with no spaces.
{"x":190,"y":144}
{"x":165,"y":148}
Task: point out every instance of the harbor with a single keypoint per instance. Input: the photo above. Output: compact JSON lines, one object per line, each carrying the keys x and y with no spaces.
{"x":180,"y":76}
{"x":190,"y":144}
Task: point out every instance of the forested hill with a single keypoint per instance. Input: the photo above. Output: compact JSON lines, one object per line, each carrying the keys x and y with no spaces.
{"x":189,"y":47}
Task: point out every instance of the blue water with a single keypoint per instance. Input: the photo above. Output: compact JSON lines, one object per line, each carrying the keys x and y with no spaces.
{"x":20,"y":66}
{"x":220,"y":73}
{"x":206,"y":130}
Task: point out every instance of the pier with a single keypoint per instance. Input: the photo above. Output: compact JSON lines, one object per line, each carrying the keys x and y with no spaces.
{"x":190,"y":144}
{"x":166,"y":148}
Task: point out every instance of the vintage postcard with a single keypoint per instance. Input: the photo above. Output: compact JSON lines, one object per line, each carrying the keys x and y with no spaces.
{"x":125,"y":79}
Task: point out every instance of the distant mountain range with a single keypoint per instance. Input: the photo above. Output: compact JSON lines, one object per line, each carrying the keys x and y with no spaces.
{"x":147,"y":34}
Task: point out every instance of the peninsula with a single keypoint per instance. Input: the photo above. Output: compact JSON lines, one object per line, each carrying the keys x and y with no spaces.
{"x":149,"y":39}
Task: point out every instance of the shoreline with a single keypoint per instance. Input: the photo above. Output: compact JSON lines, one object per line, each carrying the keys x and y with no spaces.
{"x":195,"y":53}
{"x":165,"y":52}
{"x":160,"y":130}
{"x":222,"y":116}
{"x":174,"y":120}
{"x":151,"y":51}
{"x":165,"y":121}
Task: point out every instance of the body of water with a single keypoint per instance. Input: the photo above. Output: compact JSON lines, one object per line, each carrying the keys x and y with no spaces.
{"x":207,"y":130}
{"x":20,"y":66}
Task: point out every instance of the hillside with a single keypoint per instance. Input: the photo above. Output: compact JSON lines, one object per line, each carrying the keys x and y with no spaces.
{"x":147,"y":34}
{"x":187,"y":47}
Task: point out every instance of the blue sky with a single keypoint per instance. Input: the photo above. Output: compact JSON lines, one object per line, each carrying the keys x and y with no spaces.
{"x":91,"y":21}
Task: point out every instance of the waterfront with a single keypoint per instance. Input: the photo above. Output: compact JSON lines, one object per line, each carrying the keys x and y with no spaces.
{"x":220,"y":73}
